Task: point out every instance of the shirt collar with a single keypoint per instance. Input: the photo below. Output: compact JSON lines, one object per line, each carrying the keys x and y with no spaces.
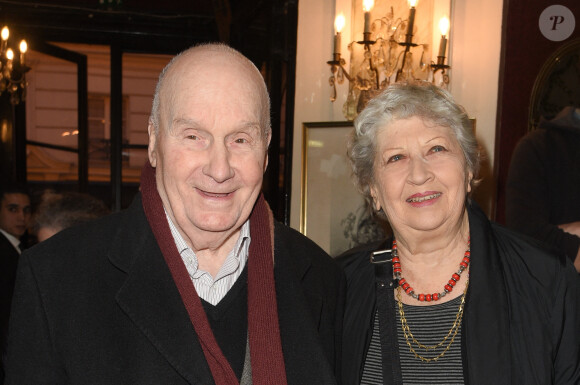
{"x":235,"y":260}
{"x":12,"y":239}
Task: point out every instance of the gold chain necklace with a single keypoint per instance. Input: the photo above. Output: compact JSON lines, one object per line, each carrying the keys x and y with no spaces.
{"x":409,"y":337}
{"x":452,"y":333}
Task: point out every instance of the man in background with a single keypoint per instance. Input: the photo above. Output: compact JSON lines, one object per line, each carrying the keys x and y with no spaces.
{"x":14,"y":220}
{"x":59,"y":211}
{"x":543,"y":184}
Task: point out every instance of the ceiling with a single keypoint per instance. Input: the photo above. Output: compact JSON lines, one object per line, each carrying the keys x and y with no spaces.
{"x":145,"y":25}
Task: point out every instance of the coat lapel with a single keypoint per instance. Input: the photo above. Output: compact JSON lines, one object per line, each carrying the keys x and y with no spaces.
{"x":299,"y":313}
{"x":150,"y":298}
{"x":486,"y":312}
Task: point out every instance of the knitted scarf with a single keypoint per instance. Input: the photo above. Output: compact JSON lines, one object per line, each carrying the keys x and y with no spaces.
{"x":267,"y":359}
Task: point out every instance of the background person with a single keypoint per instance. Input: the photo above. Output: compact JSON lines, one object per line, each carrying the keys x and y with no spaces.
{"x":543,"y":184}
{"x":463,"y":300}
{"x":59,"y":211}
{"x":195,"y":283}
{"x":14,"y":220}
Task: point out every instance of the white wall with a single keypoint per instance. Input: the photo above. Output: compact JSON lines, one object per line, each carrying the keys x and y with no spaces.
{"x":474,"y":51}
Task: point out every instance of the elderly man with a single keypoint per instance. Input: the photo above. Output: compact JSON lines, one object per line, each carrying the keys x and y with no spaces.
{"x":195,"y":283}
{"x":14,"y":218}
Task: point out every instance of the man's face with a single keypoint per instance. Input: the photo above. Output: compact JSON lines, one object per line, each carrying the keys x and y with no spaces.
{"x":210,"y":153}
{"x":15,"y":213}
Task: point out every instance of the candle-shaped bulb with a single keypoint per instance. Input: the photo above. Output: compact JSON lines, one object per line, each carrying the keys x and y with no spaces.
{"x":339,"y":22}
{"x":5,"y":33}
{"x":412,"y":4}
{"x":367,"y":7}
{"x":339,"y":25}
{"x":444,"y":28}
{"x":23,"y":46}
{"x":23,"y":49}
{"x":9,"y":54}
{"x":444,"y":25}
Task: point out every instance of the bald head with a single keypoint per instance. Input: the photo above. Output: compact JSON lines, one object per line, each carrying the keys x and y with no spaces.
{"x":208,"y":65}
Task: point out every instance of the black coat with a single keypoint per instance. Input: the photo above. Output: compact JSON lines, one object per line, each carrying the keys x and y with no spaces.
{"x":97,"y":305}
{"x":8,"y":264}
{"x":522,"y":315}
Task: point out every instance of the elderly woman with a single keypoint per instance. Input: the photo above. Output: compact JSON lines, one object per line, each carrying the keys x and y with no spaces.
{"x":451,"y":298}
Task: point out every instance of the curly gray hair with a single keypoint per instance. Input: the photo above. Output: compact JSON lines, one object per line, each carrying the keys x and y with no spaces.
{"x":402,"y":101}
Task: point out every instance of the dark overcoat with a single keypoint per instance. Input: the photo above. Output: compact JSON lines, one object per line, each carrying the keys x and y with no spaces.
{"x":521,"y":323}
{"x":97,"y":305}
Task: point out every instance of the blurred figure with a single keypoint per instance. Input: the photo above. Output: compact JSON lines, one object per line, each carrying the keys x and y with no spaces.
{"x":58,"y":211}
{"x":14,"y":220}
{"x":543,"y":185}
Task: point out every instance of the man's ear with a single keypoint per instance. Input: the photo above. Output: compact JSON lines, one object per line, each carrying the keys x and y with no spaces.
{"x":152,"y":149}
{"x":268,"y":139}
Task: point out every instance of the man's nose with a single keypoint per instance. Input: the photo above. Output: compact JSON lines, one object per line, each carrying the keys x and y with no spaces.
{"x":218,"y":166}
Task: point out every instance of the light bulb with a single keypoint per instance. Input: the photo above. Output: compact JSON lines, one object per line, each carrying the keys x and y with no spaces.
{"x":339,"y":22}
{"x":9,"y":54}
{"x":413,"y":3}
{"x":444,"y":25}
{"x":5,"y":33}
{"x":23,"y":46}
{"x":368,"y":5}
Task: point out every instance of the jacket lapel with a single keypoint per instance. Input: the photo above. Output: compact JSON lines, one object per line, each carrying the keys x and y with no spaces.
{"x":150,"y":298}
{"x":304,"y":356}
{"x":486,"y":312}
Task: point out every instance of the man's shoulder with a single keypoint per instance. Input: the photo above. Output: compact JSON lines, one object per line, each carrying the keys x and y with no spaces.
{"x":293,"y":242}
{"x":89,"y":238}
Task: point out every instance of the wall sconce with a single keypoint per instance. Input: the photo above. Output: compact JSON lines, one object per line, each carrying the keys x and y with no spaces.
{"x":13,"y":70}
{"x":386,"y":57}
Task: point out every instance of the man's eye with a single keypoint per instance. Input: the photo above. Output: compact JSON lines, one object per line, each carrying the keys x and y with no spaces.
{"x":241,"y":140}
{"x":193,"y":137}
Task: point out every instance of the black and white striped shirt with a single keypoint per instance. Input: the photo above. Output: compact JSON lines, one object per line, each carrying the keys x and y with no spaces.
{"x":429,"y":325}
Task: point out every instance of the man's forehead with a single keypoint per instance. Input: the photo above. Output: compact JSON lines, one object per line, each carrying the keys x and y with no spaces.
{"x":15,"y":199}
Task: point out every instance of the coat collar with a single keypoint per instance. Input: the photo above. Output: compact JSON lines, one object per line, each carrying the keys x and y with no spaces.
{"x":150,"y":298}
{"x":486,"y":322}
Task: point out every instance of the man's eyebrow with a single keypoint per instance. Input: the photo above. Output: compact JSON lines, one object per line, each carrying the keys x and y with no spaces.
{"x":185,"y":121}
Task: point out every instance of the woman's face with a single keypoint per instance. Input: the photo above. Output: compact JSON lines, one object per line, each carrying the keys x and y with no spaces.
{"x":420,"y":177}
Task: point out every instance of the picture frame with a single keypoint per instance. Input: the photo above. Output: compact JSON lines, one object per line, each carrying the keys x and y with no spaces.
{"x":333,"y":212}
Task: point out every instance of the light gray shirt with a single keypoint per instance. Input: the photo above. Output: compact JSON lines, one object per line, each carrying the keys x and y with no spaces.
{"x":211,"y":289}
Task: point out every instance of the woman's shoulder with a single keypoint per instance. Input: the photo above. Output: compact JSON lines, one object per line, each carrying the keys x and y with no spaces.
{"x":522,"y":256}
{"x":357,"y":259}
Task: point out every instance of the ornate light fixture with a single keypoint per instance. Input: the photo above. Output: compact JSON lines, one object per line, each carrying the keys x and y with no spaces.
{"x":386,"y":57}
{"x":13,"y":69}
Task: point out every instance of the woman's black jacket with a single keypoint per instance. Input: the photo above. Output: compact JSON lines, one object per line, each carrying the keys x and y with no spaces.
{"x":522,"y":316}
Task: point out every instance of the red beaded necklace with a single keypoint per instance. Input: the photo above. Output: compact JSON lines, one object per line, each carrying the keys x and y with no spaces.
{"x":435,"y":296}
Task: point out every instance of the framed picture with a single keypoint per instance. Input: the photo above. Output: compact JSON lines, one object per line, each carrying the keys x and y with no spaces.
{"x":333,"y":212}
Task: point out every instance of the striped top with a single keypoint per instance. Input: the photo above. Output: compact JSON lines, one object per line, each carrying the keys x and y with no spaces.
{"x":429,"y":325}
{"x":211,"y":289}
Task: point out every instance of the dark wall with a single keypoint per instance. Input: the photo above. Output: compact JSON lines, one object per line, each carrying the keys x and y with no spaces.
{"x":523,"y":54}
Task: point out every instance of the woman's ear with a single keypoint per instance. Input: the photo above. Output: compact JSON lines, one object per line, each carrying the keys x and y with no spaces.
{"x":374,"y":195}
{"x":469,"y":180}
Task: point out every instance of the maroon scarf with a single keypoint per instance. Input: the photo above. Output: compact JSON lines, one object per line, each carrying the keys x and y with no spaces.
{"x":264,"y":332}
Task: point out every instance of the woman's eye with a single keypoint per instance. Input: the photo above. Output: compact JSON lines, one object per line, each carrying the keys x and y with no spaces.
{"x":438,"y":149}
{"x":395,"y":158}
